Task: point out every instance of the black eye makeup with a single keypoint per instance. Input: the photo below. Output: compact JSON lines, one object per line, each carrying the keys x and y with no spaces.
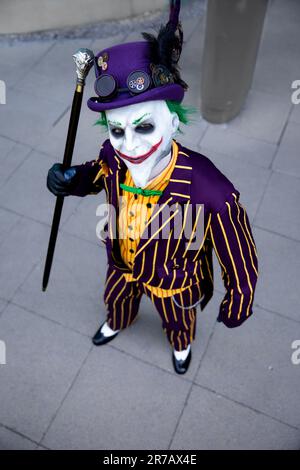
{"x":117,"y":132}
{"x":145,"y":128}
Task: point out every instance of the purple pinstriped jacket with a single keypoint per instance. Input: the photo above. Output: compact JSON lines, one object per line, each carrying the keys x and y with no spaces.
{"x":175,"y":253}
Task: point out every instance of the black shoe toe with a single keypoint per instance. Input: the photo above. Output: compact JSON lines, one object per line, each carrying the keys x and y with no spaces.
{"x":181,"y":366}
{"x":99,"y":338}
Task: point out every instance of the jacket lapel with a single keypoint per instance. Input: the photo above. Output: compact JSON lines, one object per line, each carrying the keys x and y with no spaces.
{"x":177,"y":191}
{"x":118,"y":171}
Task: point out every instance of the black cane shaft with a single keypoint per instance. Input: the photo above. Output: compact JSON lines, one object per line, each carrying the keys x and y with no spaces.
{"x":70,"y":142}
{"x":72,"y":131}
{"x":52,"y":240}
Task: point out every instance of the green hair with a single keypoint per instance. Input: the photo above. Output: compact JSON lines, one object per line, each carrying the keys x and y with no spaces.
{"x":102,"y":121}
{"x":183,"y":113}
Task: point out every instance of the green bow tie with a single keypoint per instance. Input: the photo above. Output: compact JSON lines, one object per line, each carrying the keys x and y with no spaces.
{"x":143,"y":192}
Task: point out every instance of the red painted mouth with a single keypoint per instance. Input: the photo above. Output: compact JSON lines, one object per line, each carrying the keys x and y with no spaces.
{"x":141,"y":158}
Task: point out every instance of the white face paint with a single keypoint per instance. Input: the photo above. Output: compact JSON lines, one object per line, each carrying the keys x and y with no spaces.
{"x":141,"y":135}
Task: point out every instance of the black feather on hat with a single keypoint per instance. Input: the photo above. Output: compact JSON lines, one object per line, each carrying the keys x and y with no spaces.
{"x":165,"y":49}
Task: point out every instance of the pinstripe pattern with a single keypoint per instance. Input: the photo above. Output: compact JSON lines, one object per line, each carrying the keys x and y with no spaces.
{"x":123,"y":298}
{"x":236,"y":251}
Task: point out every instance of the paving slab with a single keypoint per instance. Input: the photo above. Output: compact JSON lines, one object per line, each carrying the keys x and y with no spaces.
{"x":278,"y":284}
{"x":212,"y":422}
{"x":252,"y":365}
{"x":278,"y":58}
{"x":40,"y":81}
{"x":98,"y":45}
{"x":22,"y":248}
{"x":6,"y":145}
{"x":7,"y":221}
{"x":26,"y":119}
{"x":10,"y":440}
{"x":295,"y":114}
{"x":3,"y":304}
{"x":192,"y":132}
{"x":279,"y":210}
{"x":26,"y":192}
{"x":75,"y":290}
{"x":220,"y":138}
{"x":59,"y":59}
{"x":43,"y":359}
{"x":12,"y":157}
{"x":291,"y":13}
{"x":192,"y":96}
{"x":84,"y":221}
{"x":287,"y":158}
{"x":263,"y":116}
{"x":190,"y":65}
{"x":59,"y":90}
{"x":118,"y":402}
{"x":18,"y":59}
{"x":88,"y":140}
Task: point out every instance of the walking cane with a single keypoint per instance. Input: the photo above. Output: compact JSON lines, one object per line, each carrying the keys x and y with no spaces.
{"x":84,"y":59}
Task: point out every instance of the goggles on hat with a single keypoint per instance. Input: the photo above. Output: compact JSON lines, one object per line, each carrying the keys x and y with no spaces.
{"x":106,"y":86}
{"x":138,"y":81}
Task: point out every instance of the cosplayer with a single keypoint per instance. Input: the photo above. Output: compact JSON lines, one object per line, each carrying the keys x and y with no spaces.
{"x":150,"y":178}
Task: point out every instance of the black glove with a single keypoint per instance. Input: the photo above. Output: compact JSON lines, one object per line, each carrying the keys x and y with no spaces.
{"x":61,"y":182}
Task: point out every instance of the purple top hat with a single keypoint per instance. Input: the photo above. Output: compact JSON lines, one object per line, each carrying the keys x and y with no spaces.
{"x":125,"y":75}
{"x":141,"y":71}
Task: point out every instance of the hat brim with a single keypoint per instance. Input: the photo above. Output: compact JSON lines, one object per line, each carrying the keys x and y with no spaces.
{"x":173,"y":92}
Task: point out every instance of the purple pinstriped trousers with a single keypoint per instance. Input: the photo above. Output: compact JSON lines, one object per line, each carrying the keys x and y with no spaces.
{"x":122,"y":300}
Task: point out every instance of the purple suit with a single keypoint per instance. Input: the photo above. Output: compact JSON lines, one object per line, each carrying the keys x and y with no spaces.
{"x":165,"y":260}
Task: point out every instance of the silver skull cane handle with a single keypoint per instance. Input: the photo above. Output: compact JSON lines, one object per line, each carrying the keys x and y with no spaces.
{"x":84,"y":59}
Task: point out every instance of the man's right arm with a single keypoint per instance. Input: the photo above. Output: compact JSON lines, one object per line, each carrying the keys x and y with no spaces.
{"x":79,"y":180}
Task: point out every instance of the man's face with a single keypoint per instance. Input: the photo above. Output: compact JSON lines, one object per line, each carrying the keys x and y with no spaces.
{"x":141,"y":132}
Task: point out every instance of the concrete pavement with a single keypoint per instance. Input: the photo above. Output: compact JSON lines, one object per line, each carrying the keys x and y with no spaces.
{"x":58,"y":391}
